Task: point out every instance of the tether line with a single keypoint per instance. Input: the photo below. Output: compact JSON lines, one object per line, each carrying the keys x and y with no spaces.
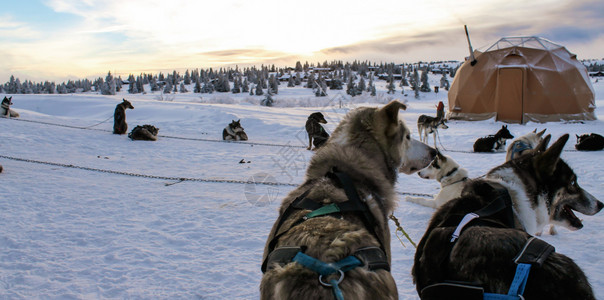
{"x":169,"y":178}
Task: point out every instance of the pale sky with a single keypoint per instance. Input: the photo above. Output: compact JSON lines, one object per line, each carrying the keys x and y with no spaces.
{"x":57,"y":40}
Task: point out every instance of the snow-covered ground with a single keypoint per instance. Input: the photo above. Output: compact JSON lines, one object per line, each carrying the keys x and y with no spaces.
{"x":71,"y":230}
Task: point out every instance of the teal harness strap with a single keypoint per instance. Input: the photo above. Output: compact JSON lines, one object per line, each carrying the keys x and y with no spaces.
{"x":324,"y":210}
{"x":325,"y":269}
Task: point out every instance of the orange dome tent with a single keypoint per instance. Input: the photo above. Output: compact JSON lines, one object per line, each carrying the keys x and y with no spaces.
{"x":522,"y":79}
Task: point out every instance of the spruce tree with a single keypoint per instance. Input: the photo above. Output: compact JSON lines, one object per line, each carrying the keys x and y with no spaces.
{"x":391,"y":86}
{"x":425,"y":84}
{"x":197,"y":88}
{"x":259,"y":91}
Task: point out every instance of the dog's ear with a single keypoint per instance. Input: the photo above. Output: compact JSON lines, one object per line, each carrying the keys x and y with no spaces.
{"x":440,"y":156}
{"x":391,"y":110}
{"x":545,"y":162}
{"x":543,"y":144}
{"x":540,"y":133}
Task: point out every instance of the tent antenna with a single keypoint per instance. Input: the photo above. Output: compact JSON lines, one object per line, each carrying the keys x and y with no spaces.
{"x":473,"y":59}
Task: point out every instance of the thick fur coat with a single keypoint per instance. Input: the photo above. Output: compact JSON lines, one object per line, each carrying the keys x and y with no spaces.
{"x":543,"y":190}
{"x":119,"y":117}
{"x":371,"y":146}
{"x":5,"y":110}
{"x":234,"y":132}
{"x":590,"y":142}
{"x":145,"y":133}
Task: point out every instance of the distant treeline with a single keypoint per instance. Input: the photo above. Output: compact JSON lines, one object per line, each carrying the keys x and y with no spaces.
{"x":240,"y":80}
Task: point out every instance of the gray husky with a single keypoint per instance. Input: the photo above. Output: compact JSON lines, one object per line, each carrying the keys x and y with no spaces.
{"x":332,"y":236}
{"x":476,"y":244}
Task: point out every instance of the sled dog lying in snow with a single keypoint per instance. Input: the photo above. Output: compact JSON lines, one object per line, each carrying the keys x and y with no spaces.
{"x":493,"y":142}
{"x":474,"y":244}
{"x":119,"y":117}
{"x":589,"y":142}
{"x":524,"y":144}
{"x":337,"y":219}
{"x":5,"y":110}
{"x":451,"y":177}
{"x":145,"y":133}
{"x":234,"y":132}
{"x":316,"y":133}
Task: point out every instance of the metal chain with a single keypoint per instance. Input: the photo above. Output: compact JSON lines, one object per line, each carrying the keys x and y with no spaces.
{"x":170,"y":178}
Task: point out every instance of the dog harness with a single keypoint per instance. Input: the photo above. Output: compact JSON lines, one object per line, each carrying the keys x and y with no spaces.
{"x":518,"y":147}
{"x":534,"y":252}
{"x":374,"y":258}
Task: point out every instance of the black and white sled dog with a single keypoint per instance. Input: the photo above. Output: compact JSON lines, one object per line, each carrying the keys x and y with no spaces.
{"x":451,"y":177}
{"x":524,"y":144}
{"x":234,"y":132}
{"x":145,"y":132}
{"x":316,"y":133}
{"x":493,"y":143}
{"x":5,"y":111}
{"x":589,"y":142}
{"x":427,"y":125}
{"x":478,"y":243}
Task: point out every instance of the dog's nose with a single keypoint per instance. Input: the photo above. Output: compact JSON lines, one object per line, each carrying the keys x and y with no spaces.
{"x":600,"y":205}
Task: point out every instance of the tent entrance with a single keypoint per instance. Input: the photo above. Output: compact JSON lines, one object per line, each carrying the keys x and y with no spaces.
{"x":509,"y":96}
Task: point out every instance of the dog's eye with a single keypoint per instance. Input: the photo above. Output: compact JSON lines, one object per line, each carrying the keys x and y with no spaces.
{"x":408,"y":137}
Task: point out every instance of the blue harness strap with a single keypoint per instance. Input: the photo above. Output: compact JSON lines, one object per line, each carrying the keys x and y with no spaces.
{"x":516,"y":288}
{"x":518,"y":147}
{"x":325,"y":269}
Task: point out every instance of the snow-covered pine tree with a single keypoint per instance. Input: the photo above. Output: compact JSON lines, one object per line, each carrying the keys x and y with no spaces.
{"x":273,"y":84}
{"x":268,"y":100}
{"x":391,"y":86}
{"x":132,"y":89}
{"x":444,"y":82}
{"x":298,"y":79}
{"x":109,"y":87}
{"x":236,"y":86}
{"x":187,"y":79}
{"x":425,"y":84}
{"x":182,"y":88}
{"x":361,"y":86}
{"x":310,"y":83}
{"x":197,"y":87}
{"x":290,"y":80}
{"x":351,"y":87}
{"x":245,"y":87}
{"x":139,"y":84}
{"x":259,"y":91}
{"x":168,"y":87}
